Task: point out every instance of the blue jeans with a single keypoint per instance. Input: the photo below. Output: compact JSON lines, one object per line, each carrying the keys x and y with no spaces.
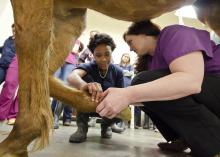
{"x":62,"y":73}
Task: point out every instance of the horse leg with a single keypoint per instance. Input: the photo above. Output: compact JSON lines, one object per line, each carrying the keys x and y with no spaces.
{"x":69,"y":22}
{"x":33,"y":22}
{"x":68,"y":25}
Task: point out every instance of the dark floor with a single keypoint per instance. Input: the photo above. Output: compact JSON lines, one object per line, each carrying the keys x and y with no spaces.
{"x":132,"y":143}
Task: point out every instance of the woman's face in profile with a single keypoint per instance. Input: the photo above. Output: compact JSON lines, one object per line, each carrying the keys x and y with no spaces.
{"x":141,"y":44}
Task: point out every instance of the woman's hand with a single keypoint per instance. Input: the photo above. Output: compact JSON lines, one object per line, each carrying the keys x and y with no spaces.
{"x":95,"y":89}
{"x":115,"y":100}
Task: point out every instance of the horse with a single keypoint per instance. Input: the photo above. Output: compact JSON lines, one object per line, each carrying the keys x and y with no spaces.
{"x":45,"y":30}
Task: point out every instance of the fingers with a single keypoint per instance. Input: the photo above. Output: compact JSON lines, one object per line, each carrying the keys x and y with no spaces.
{"x":99,"y":92}
{"x":95,"y":89}
{"x":105,"y":111}
{"x":100,"y":107}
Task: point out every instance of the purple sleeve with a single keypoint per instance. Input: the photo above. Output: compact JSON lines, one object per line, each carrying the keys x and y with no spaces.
{"x":176,"y":41}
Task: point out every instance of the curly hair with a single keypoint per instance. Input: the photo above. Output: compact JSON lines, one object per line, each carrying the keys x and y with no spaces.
{"x":147,"y":28}
{"x":142,"y":63}
{"x":101,"y":38}
{"x":143,"y":27}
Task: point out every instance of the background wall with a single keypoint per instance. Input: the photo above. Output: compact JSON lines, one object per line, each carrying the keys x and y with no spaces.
{"x":100,"y":22}
{"x":6,"y":20}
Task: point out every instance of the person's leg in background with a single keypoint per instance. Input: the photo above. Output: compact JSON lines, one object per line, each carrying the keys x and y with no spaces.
{"x":189,"y":119}
{"x":137,"y":117}
{"x":146,"y":122}
{"x":2,"y":74}
{"x":13,"y":112}
{"x":67,"y":115}
{"x":68,"y":110}
{"x":9,"y":90}
{"x":56,"y":106}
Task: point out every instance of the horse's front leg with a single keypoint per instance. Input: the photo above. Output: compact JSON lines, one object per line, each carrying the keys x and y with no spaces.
{"x":33,"y":22}
{"x":68,"y":25}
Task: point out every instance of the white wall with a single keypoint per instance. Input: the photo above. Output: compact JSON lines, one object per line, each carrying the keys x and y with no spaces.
{"x":115,"y":28}
{"x":6,"y":20}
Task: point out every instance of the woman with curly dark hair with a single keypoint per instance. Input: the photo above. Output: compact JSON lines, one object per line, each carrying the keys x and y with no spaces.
{"x":95,"y":77}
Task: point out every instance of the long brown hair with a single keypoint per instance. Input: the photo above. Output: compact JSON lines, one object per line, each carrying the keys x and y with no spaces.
{"x":147,"y":28}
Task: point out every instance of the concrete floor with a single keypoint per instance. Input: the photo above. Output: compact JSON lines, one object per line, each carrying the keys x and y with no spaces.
{"x":132,"y":143}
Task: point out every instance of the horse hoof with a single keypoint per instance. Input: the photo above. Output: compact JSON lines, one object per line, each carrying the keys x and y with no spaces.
{"x":4,"y":152}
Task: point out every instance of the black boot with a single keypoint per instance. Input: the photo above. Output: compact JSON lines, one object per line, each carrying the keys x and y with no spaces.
{"x":57,"y":111}
{"x":81,"y":134}
{"x":178,"y":145}
{"x":106,"y":131}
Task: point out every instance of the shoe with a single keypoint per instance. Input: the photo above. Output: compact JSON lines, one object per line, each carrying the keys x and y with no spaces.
{"x":136,"y":127}
{"x":67,"y":122}
{"x":106,"y":131}
{"x":115,"y":128}
{"x":78,"y":137}
{"x":178,"y":145}
{"x":156,"y":130}
{"x":81,"y":134}
{"x":11,"y":121}
{"x":146,"y":127}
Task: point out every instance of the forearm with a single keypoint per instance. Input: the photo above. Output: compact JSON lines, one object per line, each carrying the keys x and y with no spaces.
{"x":170,"y":87}
{"x":76,"y":81}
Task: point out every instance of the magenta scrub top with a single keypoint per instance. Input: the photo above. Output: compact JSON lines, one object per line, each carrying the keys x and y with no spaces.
{"x":177,"y":40}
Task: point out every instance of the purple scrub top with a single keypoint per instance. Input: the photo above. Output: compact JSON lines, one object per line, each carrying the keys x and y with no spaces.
{"x":177,"y":40}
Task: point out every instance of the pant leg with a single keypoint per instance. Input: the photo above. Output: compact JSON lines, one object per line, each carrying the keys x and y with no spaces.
{"x":137,"y":116}
{"x":167,"y":132}
{"x":67,"y":112}
{"x":14,"y":109}
{"x":66,"y":70}
{"x":189,"y":119}
{"x":54,"y":101}
{"x":2,"y":74}
{"x":56,"y":106}
{"x":53,"y":105}
{"x":210,"y":94}
{"x":9,"y":89}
